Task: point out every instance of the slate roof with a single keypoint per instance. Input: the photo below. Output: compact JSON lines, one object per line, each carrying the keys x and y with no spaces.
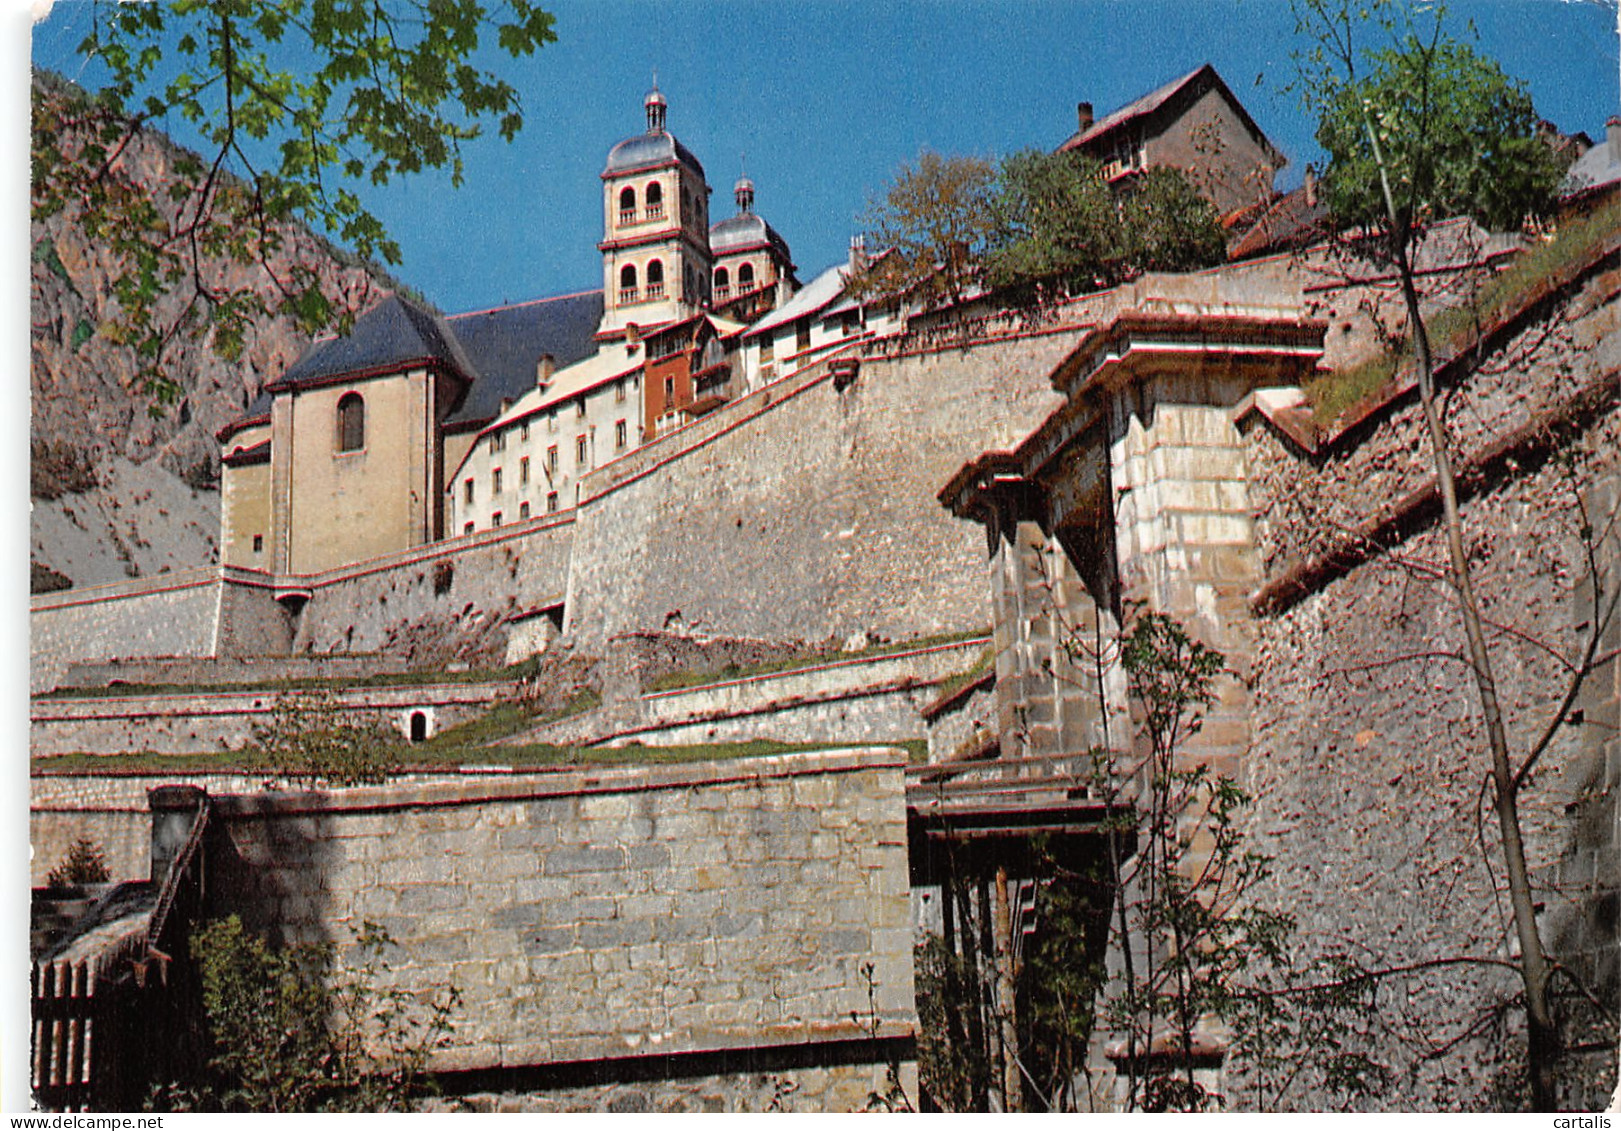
{"x":505,"y":345}
{"x":742,"y":231}
{"x":394,"y":333}
{"x":647,"y":150}
{"x":497,"y":350}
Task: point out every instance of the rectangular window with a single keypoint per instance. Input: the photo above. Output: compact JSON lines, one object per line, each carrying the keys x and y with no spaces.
{"x":619,"y":391}
{"x":468,"y":529}
{"x":258,"y":543}
{"x":498,"y":440}
{"x":551,"y":458}
{"x":768,"y":349}
{"x":669,"y":390}
{"x":620,"y":435}
{"x":495,"y":519}
{"x":579,"y":407}
{"x":551,"y":503}
{"x":495,"y":481}
{"x":802,"y":335}
{"x":467,"y":492}
{"x":523,"y":472}
{"x":551,"y":422}
{"x":523,"y":511}
{"x":523,"y":432}
{"x":579,"y":450}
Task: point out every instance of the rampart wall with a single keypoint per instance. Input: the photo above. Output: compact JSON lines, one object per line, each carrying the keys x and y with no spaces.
{"x":173,"y":614}
{"x":1369,"y":762}
{"x":814,"y":518}
{"x":210,"y":722}
{"x":109,"y":810}
{"x":443,"y":601}
{"x":712,"y":914}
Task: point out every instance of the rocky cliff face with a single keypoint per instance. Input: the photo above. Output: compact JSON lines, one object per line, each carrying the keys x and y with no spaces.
{"x":120,"y":488}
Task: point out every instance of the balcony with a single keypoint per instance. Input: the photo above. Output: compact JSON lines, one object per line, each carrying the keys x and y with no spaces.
{"x":628,"y":295}
{"x":654,"y":212}
{"x":655,"y":291}
{"x":627,"y":216}
{"x":722,"y":293}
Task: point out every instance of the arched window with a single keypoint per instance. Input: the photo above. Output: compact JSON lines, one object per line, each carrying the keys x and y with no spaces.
{"x":655,"y":201}
{"x":627,"y":283}
{"x":627,"y":205}
{"x":419,"y":726}
{"x":351,"y":423}
{"x":723,"y":282}
{"x":655,"y":280}
{"x":745,"y":277}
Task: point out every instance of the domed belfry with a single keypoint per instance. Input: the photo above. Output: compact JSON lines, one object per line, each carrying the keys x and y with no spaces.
{"x":656,"y":265}
{"x":753,"y":270}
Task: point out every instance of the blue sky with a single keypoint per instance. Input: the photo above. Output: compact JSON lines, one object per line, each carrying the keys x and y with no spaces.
{"x":821,"y":102}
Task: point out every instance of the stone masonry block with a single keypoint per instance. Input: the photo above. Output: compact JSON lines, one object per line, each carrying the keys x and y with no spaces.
{"x":570,"y":861}
{"x":618,"y":933}
{"x":609,"y":807}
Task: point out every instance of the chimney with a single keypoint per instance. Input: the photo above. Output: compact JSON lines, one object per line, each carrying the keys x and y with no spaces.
{"x":1310,"y":185}
{"x":858,"y":254}
{"x":1083,"y":115}
{"x":1612,"y":132}
{"x":544,"y":368}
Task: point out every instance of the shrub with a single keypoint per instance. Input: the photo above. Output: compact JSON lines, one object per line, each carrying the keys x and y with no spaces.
{"x":85,"y":863}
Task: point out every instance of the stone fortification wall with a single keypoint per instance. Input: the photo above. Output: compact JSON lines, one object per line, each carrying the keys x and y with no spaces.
{"x":173,"y":614}
{"x":226,"y":670}
{"x":210,"y":722}
{"x":109,"y":810}
{"x":861,"y":699}
{"x":1369,"y":756}
{"x":814,"y":517}
{"x":443,"y":602}
{"x":638,"y":915}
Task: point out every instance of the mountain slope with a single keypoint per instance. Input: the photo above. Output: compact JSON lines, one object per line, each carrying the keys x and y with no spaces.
{"x":118,"y":490}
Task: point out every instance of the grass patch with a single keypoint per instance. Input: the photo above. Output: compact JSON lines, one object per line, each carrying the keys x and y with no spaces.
{"x":1453,"y":329}
{"x":1335,"y":392}
{"x":956,"y":683}
{"x":524,"y":669}
{"x":674,"y":681}
{"x":423,"y":758}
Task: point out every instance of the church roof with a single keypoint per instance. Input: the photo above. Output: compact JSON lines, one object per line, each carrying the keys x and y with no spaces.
{"x":743,"y":231}
{"x":498,"y":350}
{"x":648,"y":150}
{"x":505,"y":346}
{"x":391,"y":335}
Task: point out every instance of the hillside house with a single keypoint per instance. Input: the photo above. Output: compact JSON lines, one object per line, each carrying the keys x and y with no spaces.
{"x":1193,"y":123}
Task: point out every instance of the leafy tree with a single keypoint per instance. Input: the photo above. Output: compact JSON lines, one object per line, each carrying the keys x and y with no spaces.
{"x":1451,"y":132}
{"x":1420,"y":127}
{"x":935,"y":223}
{"x":298,"y":103}
{"x":289,"y":1032}
{"x":1060,"y":223}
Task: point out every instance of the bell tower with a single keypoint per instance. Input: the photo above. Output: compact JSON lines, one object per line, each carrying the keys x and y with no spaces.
{"x":656,"y":263}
